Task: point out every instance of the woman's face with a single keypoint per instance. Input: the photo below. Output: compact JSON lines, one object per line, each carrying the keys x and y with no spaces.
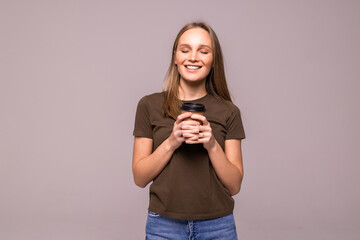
{"x":194,"y":55}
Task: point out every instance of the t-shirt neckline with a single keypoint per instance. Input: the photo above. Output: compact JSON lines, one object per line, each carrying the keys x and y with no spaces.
{"x":196,"y":100}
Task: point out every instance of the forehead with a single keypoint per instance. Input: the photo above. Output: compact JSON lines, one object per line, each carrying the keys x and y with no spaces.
{"x":196,"y":36}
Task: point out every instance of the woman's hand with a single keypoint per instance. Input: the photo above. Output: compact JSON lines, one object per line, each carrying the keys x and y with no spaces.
{"x":200,"y":133}
{"x":183,"y":129}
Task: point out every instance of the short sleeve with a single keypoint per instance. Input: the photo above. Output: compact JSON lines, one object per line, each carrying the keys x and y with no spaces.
{"x":234,"y":125}
{"x":142,"y":126}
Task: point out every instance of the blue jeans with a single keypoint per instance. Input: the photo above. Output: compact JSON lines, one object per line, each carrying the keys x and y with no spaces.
{"x":159,"y":227}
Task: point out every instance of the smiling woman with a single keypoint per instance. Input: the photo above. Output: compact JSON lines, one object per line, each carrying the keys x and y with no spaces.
{"x":194,"y":56}
{"x":215,"y":83}
{"x":193,"y":161}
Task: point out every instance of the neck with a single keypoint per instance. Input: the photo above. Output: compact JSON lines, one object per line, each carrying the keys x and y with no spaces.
{"x":191,"y":91}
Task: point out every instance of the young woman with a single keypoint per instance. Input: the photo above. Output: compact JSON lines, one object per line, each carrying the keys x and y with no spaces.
{"x":195,"y":166}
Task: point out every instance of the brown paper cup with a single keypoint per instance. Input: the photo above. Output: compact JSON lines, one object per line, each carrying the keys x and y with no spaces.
{"x":195,"y":108}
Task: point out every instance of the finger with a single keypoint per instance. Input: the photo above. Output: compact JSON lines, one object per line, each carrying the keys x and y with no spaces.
{"x":191,"y":131}
{"x":201,"y":140}
{"x":191,"y":141}
{"x":190,"y":122}
{"x":182,"y":117}
{"x":205,"y":128}
{"x":200,"y":118}
{"x":190,"y":135}
{"x":204,"y":135}
{"x":190,"y":127}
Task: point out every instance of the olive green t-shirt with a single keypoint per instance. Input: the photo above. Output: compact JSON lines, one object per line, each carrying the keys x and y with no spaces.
{"x":188,"y":188}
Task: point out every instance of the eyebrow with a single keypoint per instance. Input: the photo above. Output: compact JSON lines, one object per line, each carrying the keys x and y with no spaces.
{"x":187,"y":45}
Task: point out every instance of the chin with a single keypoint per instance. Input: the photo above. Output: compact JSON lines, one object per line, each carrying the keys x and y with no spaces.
{"x":194,"y":81}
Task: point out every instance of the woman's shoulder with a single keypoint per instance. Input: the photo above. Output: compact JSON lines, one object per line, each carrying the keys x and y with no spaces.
{"x":151,"y":101}
{"x":153,"y":97}
{"x":222,"y":103}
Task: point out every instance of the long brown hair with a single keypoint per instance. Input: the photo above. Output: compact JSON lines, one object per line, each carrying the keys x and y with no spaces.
{"x":215,"y":81}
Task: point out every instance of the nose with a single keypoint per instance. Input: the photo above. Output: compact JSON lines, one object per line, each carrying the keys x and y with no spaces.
{"x":194,"y":56}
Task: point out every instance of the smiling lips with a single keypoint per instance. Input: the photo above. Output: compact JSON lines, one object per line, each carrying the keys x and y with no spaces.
{"x":192,"y":67}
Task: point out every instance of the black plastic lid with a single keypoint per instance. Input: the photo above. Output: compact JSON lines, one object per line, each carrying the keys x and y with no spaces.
{"x":193,"y":107}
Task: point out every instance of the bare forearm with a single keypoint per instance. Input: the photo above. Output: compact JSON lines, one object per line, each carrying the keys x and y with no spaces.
{"x":149,"y":167}
{"x":147,"y":164}
{"x":229,"y":175}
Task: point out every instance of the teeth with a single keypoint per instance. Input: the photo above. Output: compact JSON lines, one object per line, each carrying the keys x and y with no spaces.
{"x":192,"y":67}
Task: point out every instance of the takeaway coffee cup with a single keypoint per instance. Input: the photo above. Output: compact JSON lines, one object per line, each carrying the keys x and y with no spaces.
{"x":196,"y":108}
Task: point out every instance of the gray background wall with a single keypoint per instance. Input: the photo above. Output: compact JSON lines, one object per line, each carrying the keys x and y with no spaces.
{"x":71,"y":75}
